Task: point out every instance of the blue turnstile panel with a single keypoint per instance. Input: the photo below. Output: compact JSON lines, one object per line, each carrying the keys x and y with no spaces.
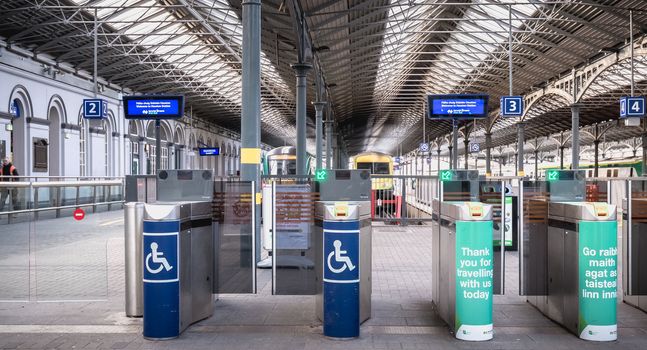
{"x":161,"y":279}
{"x":341,"y":316}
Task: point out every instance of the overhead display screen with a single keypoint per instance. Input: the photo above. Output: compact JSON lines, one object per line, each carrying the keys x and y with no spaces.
{"x":457,"y":106}
{"x":153,"y":107}
{"x":211,"y":151}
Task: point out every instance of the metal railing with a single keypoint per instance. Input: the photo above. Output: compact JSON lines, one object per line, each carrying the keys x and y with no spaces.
{"x":20,"y":197}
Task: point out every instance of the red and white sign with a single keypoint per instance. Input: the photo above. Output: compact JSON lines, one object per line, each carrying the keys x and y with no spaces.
{"x":79,"y":214}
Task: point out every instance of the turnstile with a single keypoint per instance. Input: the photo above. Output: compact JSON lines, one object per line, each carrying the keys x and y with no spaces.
{"x":343,"y":266}
{"x":634,"y":241}
{"x":463,"y":268}
{"x":581,"y":269}
{"x":178,"y":270}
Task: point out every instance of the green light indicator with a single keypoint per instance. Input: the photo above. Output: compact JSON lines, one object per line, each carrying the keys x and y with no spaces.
{"x":553,"y":175}
{"x":321,"y":175}
{"x":446,"y":175}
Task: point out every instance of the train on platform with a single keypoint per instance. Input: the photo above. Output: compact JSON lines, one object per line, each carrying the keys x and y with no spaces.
{"x":386,"y":201}
{"x":609,"y":169}
{"x":283,"y":161}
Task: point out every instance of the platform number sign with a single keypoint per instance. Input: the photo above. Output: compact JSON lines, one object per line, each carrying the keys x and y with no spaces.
{"x":94,"y":109}
{"x":632,"y":106}
{"x":511,"y":106}
{"x":475,"y":147}
{"x":424,"y":147}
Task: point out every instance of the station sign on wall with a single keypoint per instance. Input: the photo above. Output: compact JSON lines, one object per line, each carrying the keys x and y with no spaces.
{"x":511,"y":106}
{"x":632,"y":106}
{"x":460,"y":106}
{"x":209,"y":151}
{"x":94,"y":108}
{"x":153,"y":107}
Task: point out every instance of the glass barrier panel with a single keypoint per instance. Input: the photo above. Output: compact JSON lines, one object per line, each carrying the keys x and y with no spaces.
{"x":533,"y":274}
{"x":293,"y":246}
{"x":634,"y":240}
{"x":490,"y":192}
{"x":15,"y":228}
{"x":597,"y":191}
{"x":71,"y":255}
{"x":234,"y":268}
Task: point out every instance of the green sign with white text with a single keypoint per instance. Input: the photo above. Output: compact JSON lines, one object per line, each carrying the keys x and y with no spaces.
{"x":474,"y":280}
{"x":598,"y":279}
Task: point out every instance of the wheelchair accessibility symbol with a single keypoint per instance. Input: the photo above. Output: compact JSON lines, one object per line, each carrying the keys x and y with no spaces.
{"x":157,"y":258}
{"x":343,"y":260}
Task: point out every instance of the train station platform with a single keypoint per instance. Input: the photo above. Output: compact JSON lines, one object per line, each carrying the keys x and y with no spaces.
{"x":403,"y":316}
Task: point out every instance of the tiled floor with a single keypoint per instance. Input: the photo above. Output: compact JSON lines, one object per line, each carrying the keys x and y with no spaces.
{"x":403,"y":317}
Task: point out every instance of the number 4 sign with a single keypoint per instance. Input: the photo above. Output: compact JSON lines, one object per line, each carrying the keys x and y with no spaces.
{"x":511,"y":106}
{"x":632,"y":106}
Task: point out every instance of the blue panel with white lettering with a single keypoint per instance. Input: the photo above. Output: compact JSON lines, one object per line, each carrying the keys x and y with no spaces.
{"x":632,"y":107}
{"x":209,"y":151}
{"x":153,"y":107}
{"x":94,"y":109}
{"x":459,"y":106}
{"x":511,"y":106}
{"x":341,"y":254}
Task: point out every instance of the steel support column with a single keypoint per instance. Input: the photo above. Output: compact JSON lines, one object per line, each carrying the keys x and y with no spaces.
{"x":451,"y":156}
{"x":561,"y":157}
{"x":596,"y":145}
{"x":329,"y":125}
{"x":454,"y":150}
{"x":158,"y":145}
{"x":301,"y":71}
{"x":488,"y":154}
{"x":466,"y":144}
{"x":520,"y":141}
{"x":250,"y":121}
{"x":575,"y":136}
{"x":536,"y":165}
{"x":335,"y":151}
{"x":319,"y":107}
{"x":438,"y":152}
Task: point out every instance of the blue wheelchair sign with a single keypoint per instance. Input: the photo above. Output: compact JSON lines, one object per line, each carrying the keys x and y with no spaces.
{"x":632,"y":106}
{"x":511,"y":106}
{"x":160,"y":256}
{"x":94,"y":109}
{"x":341,"y":257}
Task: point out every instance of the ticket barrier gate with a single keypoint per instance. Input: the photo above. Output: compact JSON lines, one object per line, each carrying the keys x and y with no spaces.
{"x":343,"y":246}
{"x":463,"y":268}
{"x":178,"y":270}
{"x":197,"y":241}
{"x":343,"y":252}
{"x":634,"y":241}
{"x":573,"y":260}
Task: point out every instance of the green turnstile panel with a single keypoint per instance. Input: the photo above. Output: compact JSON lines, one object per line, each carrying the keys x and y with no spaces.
{"x":474,"y":280}
{"x":598,"y":274}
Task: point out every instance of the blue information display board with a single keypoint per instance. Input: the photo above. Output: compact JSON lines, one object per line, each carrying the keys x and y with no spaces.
{"x":457,"y":106}
{"x":153,"y":107}
{"x":211,"y":151}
